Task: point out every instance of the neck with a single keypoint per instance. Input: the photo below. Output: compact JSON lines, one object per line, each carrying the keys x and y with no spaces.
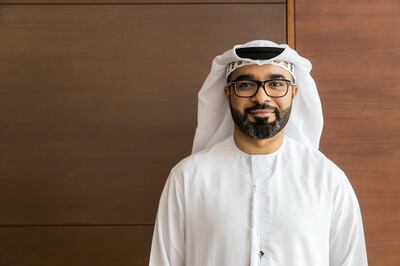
{"x":257,"y":146}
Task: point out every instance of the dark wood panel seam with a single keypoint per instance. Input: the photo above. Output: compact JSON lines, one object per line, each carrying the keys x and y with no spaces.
{"x":75,"y":225}
{"x":291,"y":23}
{"x":142,"y":4}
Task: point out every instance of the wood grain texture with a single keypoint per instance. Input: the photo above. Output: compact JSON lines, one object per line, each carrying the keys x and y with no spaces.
{"x":98,"y":102}
{"x":78,"y":246}
{"x":291,"y":23}
{"x":206,"y":2}
{"x":355,"y":50}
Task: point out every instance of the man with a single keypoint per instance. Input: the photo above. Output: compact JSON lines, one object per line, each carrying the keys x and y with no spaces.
{"x":256,"y":190}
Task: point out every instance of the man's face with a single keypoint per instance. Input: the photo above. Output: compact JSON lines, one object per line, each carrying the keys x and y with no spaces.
{"x":260,"y":116}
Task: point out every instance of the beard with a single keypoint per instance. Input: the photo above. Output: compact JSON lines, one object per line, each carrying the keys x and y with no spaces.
{"x":261,"y":129}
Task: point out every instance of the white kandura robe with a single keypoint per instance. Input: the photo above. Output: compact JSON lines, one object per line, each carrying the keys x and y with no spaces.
{"x":223,"y":207}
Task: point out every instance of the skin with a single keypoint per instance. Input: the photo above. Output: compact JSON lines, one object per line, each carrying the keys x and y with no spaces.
{"x":259,"y":72}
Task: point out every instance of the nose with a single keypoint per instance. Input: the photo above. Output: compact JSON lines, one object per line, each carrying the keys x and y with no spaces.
{"x":261,"y":97}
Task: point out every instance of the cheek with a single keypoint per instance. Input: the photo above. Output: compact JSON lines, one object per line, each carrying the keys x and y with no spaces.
{"x":284,"y":103}
{"x":238,"y":104}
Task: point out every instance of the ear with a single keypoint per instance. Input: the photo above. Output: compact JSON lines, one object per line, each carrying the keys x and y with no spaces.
{"x":294,"y":90}
{"x":226,"y":92}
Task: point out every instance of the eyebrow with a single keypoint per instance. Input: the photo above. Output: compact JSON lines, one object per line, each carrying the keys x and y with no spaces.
{"x":277,"y":76}
{"x":251,"y":76}
{"x":245,"y":76}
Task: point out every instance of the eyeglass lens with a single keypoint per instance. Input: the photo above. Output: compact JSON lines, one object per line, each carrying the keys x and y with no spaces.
{"x":248,"y":88}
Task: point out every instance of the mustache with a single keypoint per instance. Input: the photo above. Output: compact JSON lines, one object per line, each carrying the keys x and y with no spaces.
{"x":259,"y":106}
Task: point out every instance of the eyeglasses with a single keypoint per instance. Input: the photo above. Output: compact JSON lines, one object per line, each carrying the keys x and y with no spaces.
{"x":274,"y":88}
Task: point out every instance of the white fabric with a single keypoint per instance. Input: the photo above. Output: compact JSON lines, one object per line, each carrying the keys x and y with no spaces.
{"x":214,"y":121}
{"x":289,"y":67}
{"x":221,"y":207}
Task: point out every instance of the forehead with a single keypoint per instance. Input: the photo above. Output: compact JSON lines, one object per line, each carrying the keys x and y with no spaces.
{"x":260,"y":71}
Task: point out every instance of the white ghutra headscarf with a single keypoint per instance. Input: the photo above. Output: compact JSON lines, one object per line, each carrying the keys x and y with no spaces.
{"x":214,"y":120}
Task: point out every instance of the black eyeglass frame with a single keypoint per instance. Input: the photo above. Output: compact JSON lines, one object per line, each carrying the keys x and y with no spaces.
{"x":260,"y":83}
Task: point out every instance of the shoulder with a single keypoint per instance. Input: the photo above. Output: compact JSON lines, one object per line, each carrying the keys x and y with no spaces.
{"x":315,"y":166}
{"x":309,"y":157}
{"x":208,"y":158}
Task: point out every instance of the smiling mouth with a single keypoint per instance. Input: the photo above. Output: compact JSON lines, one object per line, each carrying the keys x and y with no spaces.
{"x":262,"y":113}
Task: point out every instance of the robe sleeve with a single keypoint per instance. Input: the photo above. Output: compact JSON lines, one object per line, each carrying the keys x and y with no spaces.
{"x":168,"y":245}
{"x":347,"y":243}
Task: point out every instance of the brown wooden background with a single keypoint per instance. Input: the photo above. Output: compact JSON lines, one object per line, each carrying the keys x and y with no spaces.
{"x":355,"y":50}
{"x":98,"y":102}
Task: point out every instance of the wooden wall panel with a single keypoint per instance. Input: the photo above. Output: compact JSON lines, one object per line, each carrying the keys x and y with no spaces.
{"x":152,"y":2}
{"x":76,"y":245}
{"x":98,"y":102}
{"x":355,"y":49}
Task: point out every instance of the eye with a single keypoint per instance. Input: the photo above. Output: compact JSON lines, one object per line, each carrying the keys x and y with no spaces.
{"x":277,"y":84}
{"x":245,"y":84}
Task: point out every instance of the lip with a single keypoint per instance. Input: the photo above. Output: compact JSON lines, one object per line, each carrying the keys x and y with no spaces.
{"x":262,"y":113}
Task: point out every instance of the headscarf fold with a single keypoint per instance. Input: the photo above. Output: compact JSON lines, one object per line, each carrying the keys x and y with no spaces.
{"x":214,"y":120}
